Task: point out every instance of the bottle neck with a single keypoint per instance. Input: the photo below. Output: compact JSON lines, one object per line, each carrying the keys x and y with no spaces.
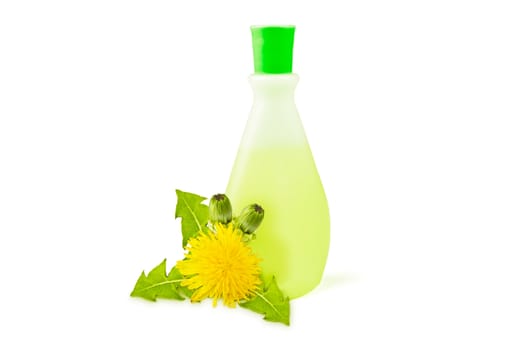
{"x":274,"y":120}
{"x":273,"y":88}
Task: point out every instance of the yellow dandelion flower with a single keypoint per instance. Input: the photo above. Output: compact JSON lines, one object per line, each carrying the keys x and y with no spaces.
{"x":220,"y":266}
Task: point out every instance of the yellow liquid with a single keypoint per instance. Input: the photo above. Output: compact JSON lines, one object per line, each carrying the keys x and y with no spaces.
{"x":293,"y":239}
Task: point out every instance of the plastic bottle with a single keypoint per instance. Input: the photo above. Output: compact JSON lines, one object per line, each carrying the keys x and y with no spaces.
{"x":275,"y":168}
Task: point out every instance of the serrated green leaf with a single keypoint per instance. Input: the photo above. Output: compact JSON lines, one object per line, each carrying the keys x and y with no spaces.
{"x":184,"y":291}
{"x":193,"y":213}
{"x":269,"y":301}
{"x":159,"y":285}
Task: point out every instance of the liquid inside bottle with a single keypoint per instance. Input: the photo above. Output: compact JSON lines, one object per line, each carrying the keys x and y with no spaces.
{"x":275,"y":168}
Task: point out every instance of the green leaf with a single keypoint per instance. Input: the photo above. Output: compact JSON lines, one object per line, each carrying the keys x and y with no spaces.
{"x":194,"y":214}
{"x":269,"y":301}
{"x":183,"y":290}
{"x":159,"y":285}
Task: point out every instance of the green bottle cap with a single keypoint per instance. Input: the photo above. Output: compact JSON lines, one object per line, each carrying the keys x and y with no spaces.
{"x":272,"y":48}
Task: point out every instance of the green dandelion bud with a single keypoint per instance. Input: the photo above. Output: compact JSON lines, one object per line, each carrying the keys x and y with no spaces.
{"x":250,"y":218}
{"x":220,"y":209}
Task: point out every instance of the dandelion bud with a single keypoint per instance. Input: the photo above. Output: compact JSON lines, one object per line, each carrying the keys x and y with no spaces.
{"x":220,"y":209}
{"x":250,"y":218}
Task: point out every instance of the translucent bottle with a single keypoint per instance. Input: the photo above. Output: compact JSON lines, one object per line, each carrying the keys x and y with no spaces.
{"x":275,"y":168}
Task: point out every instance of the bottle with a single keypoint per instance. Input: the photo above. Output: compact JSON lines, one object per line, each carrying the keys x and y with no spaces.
{"x":275,"y":168}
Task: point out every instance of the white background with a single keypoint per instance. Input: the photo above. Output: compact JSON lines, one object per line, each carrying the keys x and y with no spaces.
{"x":413,"y":110}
